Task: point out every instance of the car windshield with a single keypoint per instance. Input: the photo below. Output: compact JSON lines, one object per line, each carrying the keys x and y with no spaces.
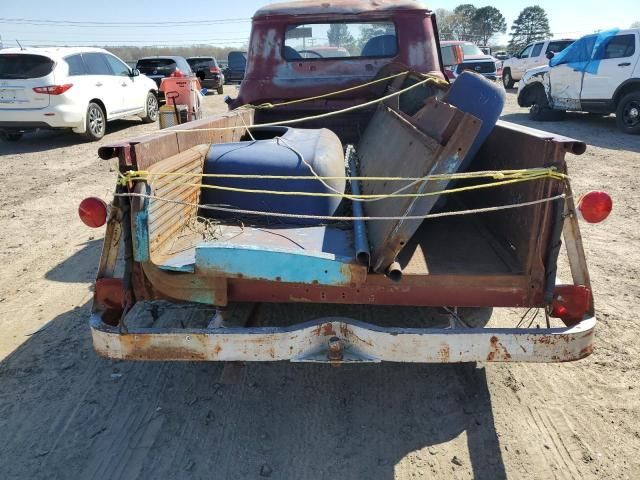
{"x":156,"y":65}
{"x":22,"y":66}
{"x":469,"y":49}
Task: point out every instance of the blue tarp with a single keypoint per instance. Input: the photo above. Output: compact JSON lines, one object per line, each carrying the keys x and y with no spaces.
{"x":580,"y":54}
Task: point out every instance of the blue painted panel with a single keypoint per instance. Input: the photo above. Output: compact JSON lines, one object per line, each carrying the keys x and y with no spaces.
{"x":180,"y":262}
{"x":275,"y":265}
{"x":141,"y":236}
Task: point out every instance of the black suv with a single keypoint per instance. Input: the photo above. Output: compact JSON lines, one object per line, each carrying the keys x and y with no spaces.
{"x":160,"y":67}
{"x":237,"y":64}
{"x":209,"y":73}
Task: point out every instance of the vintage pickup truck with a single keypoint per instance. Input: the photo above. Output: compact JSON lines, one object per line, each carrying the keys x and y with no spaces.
{"x":352,"y":206}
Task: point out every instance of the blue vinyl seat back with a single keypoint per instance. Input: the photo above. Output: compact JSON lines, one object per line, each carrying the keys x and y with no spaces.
{"x":474,"y":94}
{"x":381,"y":46}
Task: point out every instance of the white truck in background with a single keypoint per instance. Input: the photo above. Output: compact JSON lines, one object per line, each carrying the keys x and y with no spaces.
{"x":599,"y":74}
{"x":532,"y":56}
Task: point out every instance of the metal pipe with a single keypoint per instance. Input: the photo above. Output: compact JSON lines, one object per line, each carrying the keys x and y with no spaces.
{"x":394,"y":272}
{"x":361,"y":240}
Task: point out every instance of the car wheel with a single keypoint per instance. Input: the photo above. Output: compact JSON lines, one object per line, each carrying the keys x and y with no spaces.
{"x":11,"y":136}
{"x":220,"y":90}
{"x":475,"y":317}
{"x":628,"y":113}
{"x":96,"y":122}
{"x":151,"y":114}
{"x":507,"y":79}
{"x":540,"y":111}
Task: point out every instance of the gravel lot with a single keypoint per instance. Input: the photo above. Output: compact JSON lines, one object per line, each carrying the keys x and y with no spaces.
{"x":66,"y":413}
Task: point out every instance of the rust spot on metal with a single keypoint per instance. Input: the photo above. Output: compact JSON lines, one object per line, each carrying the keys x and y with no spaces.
{"x":443,"y":353}
{"x":344,"y":330}
{"x":141,"y":347}
{"x":586,"y":351}
{"x":327,"y":330}
{"x":497,"y":351}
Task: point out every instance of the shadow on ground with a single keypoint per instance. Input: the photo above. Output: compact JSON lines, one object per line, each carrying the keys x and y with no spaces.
{"x":597,"y":130}
{"x":45,"y":140}
{"x":80,"y":267}
{"x":66,"y":413}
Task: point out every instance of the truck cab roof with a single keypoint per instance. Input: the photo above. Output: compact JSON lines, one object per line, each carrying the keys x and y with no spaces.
{"x":312,"y":7}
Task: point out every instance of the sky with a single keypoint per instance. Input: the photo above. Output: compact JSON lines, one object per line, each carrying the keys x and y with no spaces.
{"x":227,"y":23}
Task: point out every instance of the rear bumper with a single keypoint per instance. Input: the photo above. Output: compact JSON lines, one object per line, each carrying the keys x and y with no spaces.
{"x":61,"y":116}
{"x":340,"y":340}
{"x":212,"y":82}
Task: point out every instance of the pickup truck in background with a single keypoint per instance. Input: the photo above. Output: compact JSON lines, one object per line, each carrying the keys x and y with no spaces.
{"x":599,"y":74}
{"x":532,"y":56}
{"x":474,"y":60}
{"x":245,"y":238}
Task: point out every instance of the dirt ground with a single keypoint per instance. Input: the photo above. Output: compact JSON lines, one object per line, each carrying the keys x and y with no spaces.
{"x":66,"y":413}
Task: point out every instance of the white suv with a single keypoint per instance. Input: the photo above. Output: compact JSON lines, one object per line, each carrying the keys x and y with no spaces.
{"x":600,"y":74}
{"x":72,"y":88}
{"x":531,"y":56}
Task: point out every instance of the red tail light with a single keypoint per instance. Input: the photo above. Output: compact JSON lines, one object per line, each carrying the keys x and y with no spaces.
{"x":570,"y":303}
{"x":93,"y":212}
{"x":177,"y":73}
{"x":53,"y":89}
{"x":595,"y":207}
{"x":214,"y":70}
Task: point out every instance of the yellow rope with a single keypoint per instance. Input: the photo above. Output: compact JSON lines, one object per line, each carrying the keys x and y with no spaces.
{"x":146,"y":175}
{"x":346,"y":90}
{"x":346,"y":219}
{"x":375,"y":197}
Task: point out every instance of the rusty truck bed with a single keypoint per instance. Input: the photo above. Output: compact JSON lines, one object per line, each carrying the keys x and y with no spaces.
{"x":504,"y":265}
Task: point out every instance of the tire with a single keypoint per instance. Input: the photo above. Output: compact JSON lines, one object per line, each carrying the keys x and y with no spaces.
{"x":151,"y":111}
{"x":475,"y":317}
{"x":628,"y":113}
{"x":220,"y":90}
{"x":540,"y":111}
{"x":11,"y":136}
{"x":507,"y":79}
{"x":96,"y":122}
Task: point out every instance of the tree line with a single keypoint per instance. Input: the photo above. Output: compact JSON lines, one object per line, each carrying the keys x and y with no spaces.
{"x":131,"y":54}
{"x":479,"y":25}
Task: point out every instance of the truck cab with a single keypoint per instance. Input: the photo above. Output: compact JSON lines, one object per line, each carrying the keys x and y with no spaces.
{"x":532,"y":56}
{"x":599,"y":73}
{"x":289,"y":58}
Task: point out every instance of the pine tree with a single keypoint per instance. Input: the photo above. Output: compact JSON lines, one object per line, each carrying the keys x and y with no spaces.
{"x":339,"y":35}
{"x":486,"y":22}
{"x":463,"y":24}
{"x":532,"y":24}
